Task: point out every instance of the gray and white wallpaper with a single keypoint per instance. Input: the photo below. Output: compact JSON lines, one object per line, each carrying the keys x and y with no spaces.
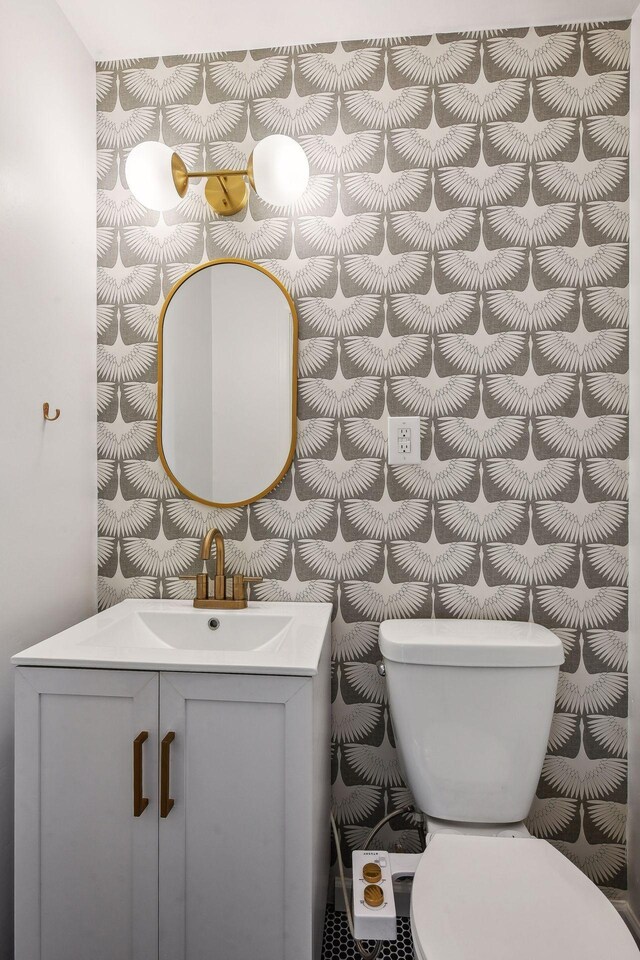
{"x":461,"y":255}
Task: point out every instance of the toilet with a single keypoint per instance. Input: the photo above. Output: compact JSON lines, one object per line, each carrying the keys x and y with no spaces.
{"x":472,"y":703}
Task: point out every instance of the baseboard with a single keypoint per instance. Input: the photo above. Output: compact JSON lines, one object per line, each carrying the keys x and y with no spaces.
{"x":629,"y":917}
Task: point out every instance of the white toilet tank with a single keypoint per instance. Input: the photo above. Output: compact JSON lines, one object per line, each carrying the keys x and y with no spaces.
{"x":471,"y":702}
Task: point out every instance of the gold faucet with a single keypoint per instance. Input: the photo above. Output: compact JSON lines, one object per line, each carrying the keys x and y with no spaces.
{"x":219,"y":600}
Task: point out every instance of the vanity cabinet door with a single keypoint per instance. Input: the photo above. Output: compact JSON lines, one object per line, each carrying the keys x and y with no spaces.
{"x":236,"y":848}
{"x":86,"y":867}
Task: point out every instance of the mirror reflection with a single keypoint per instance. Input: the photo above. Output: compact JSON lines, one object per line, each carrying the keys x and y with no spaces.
{"x":227,"y":382}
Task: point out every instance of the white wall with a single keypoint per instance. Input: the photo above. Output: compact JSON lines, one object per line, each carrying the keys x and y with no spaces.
{"x":633,"y":821}
{"x":47,"y":352}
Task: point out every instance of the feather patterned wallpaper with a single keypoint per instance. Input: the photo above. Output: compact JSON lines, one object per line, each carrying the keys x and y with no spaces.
{"x":461,"y":255}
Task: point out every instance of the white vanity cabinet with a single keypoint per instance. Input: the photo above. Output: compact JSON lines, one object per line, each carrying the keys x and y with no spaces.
{"x":235,"y":868}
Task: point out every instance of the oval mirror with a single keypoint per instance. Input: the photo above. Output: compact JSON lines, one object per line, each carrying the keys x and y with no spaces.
{"x":227,"y":355}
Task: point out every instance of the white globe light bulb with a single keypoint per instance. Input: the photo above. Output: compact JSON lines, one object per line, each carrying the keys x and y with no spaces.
{"x":280,"y":170}
{"x":149,"y":177}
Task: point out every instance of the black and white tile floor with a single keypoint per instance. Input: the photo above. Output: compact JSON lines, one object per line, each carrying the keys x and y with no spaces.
{"x":338,"y":945}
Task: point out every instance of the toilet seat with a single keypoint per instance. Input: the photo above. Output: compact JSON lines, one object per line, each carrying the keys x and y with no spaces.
{"x":496,"y":898}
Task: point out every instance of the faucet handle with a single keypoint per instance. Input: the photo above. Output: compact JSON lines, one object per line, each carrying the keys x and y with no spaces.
{"x":239,"y":582}
{"x":202,"y":584}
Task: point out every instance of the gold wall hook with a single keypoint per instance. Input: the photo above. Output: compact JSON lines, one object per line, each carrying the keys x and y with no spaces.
{"x":45,"y":411}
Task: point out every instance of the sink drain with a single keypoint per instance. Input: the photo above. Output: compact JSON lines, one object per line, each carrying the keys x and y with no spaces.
{"x":214,"y":623}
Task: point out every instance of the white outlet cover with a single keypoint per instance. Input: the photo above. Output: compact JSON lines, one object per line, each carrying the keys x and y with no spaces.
{"x":395,"y":424}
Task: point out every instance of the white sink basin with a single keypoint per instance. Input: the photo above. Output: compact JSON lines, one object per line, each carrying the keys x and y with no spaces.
{"x":282,"y":638}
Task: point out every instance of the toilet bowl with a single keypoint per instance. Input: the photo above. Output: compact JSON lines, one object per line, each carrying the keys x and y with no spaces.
{"x":472,"y":703}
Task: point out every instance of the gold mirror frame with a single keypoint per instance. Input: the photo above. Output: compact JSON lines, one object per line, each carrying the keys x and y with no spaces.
{"x":294,"y":382}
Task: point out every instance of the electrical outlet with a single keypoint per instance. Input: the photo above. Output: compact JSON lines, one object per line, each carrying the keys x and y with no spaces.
{"x":404,"y":440}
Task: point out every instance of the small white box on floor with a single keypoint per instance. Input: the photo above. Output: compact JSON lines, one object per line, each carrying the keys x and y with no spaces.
{"x":373,"y":922}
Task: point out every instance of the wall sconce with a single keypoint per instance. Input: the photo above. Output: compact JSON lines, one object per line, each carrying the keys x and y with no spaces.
{"x":278,"y":171}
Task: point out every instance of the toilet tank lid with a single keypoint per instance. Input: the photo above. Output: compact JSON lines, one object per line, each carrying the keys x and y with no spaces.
{"x":470,"y":643}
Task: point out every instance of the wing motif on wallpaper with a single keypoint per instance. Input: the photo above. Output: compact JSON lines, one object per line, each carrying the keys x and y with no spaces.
{"x":482,"y":100}
{"x":436,"y":146}
{"x":205,"y":121}
{"x":482,"y":183}
{"x":340,"y":396}
{"x":531,"y":393}
{"x":161,"y":85}
{"x":611,"y":389}
{"x":193,"y":519}
{"x":610,"y":817}
{"x":581,"y":435}
{"x":313,"y":435}
{"x":295,"y":591}
{"x":293,"y":517}
{"x":293,"y":115}
{"x":434,"y":563}
{"x":248,"y":77}
{"x":436,"y":479}
{"x":434,"y":312}
{"x":123,"y":128}
{"x":582,"y":350}
{"x":531,"y":139}
{"x":482,"y":352}
{"x":313,"y":354}
{"x":610,"y":46}
{"x":550,"y":815}
{"x":582,"y":94}
{"x":387,"y":107}
{"x":339,"y":233}
{"x":581,"y":520}
{"x":482,"y":435}
{"x":532,"y":55}
{"x":482,"y":268}
{"x":612,"y":476}
{"x":382,"y":600}
{"x":340,"y":558}
{"x":582,"y":606}
{"x":385,"y":518}
{"x":581,"y":179}
{"x":117,"y":207}
{"x":341,"y":152}
{"x":434,"y":62}
{"x":584,"y":692}
{"x":434,"y":229}
{"x":480,"y":520}
{"x":160,"y":556}
{"x":121,"y":439}
{"x":388,"y":189}
{"x":532,"y":563}
{"x":481,"y":602}
{"x":339,"y":477}
{"x":340,"y":70}
{"x":532,"y":224}
{"x":600,"y":861}
{"x":433,"y":395}
{"x":149,"y":478}
{"x":352,"y":641}
{"x":610,"y":560}
{"x":530,"y":478}
{"x":119,"y":517}
{"x":610,"y":732}
{"x":611,"y":217}
{"x":249,"y":239}
{"x":532,"y":309}
{"x":610,"y":646}
{"x":384,"y":355}
{"x":387,"y":274}
{"x":338,"y":314}
{"x":611,"y":133}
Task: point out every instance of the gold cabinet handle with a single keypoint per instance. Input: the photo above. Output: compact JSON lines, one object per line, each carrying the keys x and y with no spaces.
{"x":166,"y":803}
{"x":140,"y":803}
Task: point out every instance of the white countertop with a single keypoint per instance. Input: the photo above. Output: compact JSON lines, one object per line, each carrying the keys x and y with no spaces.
{"x":172,"y":635}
